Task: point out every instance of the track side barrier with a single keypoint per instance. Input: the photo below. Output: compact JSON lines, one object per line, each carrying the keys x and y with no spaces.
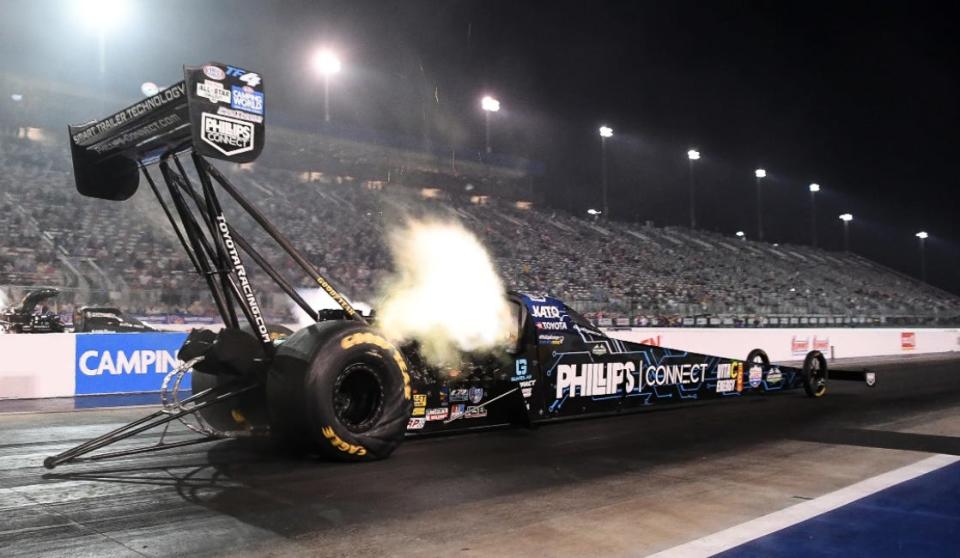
{"x":792,"y":344}
{"x":66,"y":364}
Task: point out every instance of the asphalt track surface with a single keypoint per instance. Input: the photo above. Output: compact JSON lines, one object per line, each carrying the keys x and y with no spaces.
{"x":624,"y":485}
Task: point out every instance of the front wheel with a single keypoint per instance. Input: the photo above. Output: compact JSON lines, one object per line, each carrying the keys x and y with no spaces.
{"x":815,"y":374}
{"x":758,"y":356}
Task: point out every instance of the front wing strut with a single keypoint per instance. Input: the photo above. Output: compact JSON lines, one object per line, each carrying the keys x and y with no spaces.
{"x":163,"y":417}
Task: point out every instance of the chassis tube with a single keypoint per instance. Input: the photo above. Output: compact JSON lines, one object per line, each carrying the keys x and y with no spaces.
{"x":281,"y":240}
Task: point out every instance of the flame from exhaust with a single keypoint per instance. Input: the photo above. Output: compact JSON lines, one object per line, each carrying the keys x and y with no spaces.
{"x":444,"y":292}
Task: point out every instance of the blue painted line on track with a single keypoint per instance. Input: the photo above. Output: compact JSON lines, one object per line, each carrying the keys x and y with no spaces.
{"x":916,"y":518}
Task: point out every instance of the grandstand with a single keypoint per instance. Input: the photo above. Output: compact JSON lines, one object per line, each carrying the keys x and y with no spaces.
{"x":337,"y":197}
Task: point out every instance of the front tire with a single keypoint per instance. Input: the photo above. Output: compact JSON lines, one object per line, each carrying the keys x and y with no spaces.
{"x":815,"y":374}
{"x":758,"y":356}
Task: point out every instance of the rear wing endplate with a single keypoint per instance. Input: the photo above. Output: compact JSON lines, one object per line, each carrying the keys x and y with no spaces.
{"x":217,"y":111}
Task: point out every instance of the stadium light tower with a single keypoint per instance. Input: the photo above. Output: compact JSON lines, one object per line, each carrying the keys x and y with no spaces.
{"x":605,"y":132}
{"x":693,"y":155}
{"x":759,"y":174}
{"x":922,"y":238}
{"x":814,"y":188}
{"x":326,"y":63}
{"x":488,"y":104}
{"x":741,"y":235}
{"x":846,"y":218}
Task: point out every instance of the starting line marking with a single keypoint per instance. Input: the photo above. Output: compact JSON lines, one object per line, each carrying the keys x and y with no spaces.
{"x":772,"y":522}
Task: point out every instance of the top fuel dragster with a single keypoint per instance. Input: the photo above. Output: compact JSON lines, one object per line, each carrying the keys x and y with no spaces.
{"x":340,"y":387}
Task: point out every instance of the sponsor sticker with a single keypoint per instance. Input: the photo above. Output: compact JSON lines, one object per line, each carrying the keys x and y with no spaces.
{"x":250,"y":78}
{"x":419,"y":400}
{"x":521,"y":371}
{"x":418,"y":411}
{"x":599,"y":349}
{"x":213,"y":91}
{"x":476,"y":395}
{"x":227,"y":135}
{"x":246,"y":99}
{"x":774,"y":376}
{"x":726,"y":386}
{"x":729,"y":377}
{"x":475,"y":412}
{"x":240,"y":115}
{"x":551,"y":339}
{"x":526,"y":387}
{"x":595,"y":378}
{"x":126,"y":362}
{"x":437,"y":413}
{"x":458,"y":394}
{"x":457,"y":411}
{"x":675,"y":374}
{"x":214,"y":72}
{"x":545,"y":311}
{"x":552,"y":326}
{"x":756,"y":376}
{"x":416,"y":423}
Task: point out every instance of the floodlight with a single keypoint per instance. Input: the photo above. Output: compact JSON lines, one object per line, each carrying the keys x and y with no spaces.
{"x":489,"y":104}
{"x":846,"y":217}
{"x":922,"y":235}
{"x":606,"y":132}
{"x":693,"y":155}
{"x":760,"y":173}
{"x":326,"y":62}
{"x":814,"y":188}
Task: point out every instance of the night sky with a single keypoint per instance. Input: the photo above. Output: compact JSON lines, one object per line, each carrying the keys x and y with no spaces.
{"x":859,"y":97}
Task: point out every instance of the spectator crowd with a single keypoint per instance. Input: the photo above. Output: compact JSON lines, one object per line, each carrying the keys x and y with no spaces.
{"x":338,"y":208}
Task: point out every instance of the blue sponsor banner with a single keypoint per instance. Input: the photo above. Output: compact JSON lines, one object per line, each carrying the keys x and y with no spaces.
{"x":126,"y":362}
{"x":245,"y":98}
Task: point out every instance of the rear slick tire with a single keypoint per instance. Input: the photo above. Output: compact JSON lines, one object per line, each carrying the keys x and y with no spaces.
{"x":340,"y":389}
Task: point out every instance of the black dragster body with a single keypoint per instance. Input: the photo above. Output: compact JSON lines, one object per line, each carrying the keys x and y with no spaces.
{"x":563,"y":366}
{"x":339,"y":387}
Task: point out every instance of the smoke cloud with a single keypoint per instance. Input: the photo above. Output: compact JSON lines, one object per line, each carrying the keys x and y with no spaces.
{"x":444,"y":293}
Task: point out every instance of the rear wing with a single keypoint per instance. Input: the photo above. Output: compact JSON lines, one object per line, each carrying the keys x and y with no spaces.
{"x":216,"y":111}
